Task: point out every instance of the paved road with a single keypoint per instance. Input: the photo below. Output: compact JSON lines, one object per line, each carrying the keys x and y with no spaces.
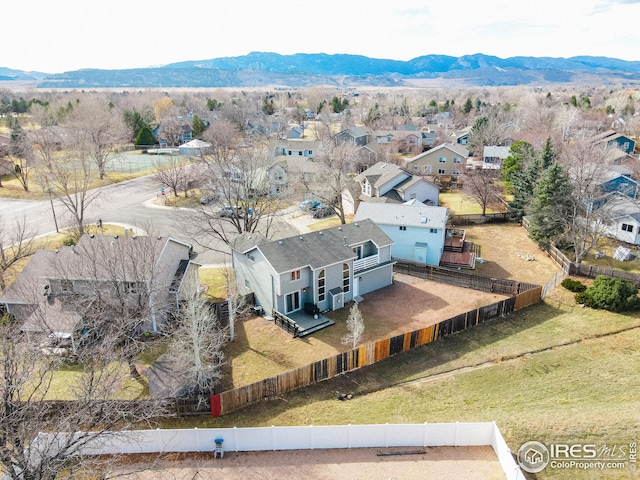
{"x":128,"y":203}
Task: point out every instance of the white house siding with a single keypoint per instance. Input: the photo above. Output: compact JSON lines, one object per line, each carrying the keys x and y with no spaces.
{"x":626,"y":236}
{"x":382,"y":189}
{"x":423,"y":192}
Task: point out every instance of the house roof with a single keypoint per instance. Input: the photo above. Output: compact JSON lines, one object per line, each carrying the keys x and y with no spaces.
{"x":315,"y":249}
{"x":496,"y":151}
{"x":380,"y":173}
{"x":78,"y":262}
{"x":455,"y":148}
{"x":403,"y":214}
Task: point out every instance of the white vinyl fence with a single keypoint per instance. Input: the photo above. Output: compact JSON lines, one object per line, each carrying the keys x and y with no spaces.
{"x":304,"y":438}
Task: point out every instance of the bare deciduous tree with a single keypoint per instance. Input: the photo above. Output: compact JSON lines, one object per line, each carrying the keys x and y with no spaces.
{"x":198,"y":341}
{"x":15,"y":244}
{"x":96,"y":128}
{"x":92,"y":412}
{"x":355,"y":327}
{"x":482,"y":184}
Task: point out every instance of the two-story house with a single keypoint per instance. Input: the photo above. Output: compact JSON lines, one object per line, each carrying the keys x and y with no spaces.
{"x":615,"y":139}
{"x":493,"y":156}
{"x":417,"y":230}
{"x":386,"y":182}
{"x":447,"y":159}
{"x":326,"y":268}
{"x":56,"y":289}
{"x":354,"y":135}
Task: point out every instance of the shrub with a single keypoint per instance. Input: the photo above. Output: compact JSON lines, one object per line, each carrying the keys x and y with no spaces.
{"x":69,"y":242}
{"x":573,"y":285}
{"x":613,"y":294}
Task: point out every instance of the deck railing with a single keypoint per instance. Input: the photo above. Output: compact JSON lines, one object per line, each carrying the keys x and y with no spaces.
{"x":366,"y":262}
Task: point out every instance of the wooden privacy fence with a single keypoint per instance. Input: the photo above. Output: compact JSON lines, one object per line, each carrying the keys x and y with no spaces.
{"x":592,"y":271}
{"x":463,"y":279}
{"x":306,"y":375}
{"x":474,"y":219}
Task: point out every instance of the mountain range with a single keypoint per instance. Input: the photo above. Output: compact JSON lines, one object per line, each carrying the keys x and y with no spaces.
{"x":260,"y":69}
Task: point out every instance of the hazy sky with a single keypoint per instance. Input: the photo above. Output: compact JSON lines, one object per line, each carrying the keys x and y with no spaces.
{"x":57,"y":36}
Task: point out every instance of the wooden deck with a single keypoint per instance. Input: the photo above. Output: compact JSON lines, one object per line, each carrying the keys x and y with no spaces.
{"x":308,"y":324}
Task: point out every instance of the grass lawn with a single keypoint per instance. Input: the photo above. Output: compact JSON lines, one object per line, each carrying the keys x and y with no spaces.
{"x":554,"y":372}
{"x":461,"y":204}
{"x":216,"y":282}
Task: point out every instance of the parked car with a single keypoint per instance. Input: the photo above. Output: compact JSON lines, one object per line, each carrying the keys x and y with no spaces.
{"x":230,"y":212}
{"x":322,"y":211}
{"x":309,"y":204}
{"x":207,"y":199}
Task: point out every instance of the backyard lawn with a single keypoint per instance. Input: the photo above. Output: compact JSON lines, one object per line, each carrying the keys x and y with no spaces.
{"x":554,"y":372}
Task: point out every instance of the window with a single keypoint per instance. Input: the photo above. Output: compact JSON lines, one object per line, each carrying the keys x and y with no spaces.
{"x":415,"y":167}
{"x":625,"y":147}
{"x":402,"y":228}
{"x":322,"y":289}
{"x":456,"y":171}
{"x":457,"y":160}
{"x":427,"y":169}
{"x":292,"y":302}
{"x":441,"y":171}
{"x":442,"y":160}
{"x":300,"y":153}
{"x":295,"y":275}
{"x":310,"y":152}
{"x":251,"y":257}
{"x":66,"y":286}
{"x":358,"y":251}
{"x":627,"y":228}
{"x":289,"y":152}
{"x":346,"y":277}
{"x":433,"y":230}
{"x":131,"y":287}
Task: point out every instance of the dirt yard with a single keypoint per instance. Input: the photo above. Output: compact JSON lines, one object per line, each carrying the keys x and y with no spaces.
{"x":261,"y":349}
{"x":353,"y":464}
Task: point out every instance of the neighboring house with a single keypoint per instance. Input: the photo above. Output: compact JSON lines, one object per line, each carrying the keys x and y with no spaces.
{"x":402,"y":141}
{"x":327,"y":268}
{"x":447,"y":159}
{"x":386,"y":182}
{"x":50,"y":294}
{"x":183,"y":136}
{"x":300,"y":167}
{"x":624,"y":223}
{"x":296,"y":132}
{"x":611,"y":182}
{"x":417,"y":230}
{"x":194,"y":147}
{"x":428,"y":138}
{"x":493,"y":156}
{"x":354,"y":135}
{"x":460,"y":137}
{"x":297,"y":148}
{"x":613,"y":138}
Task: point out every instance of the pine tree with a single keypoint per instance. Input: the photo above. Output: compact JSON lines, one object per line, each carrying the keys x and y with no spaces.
{"x":197,"y":127}
{"x":468,"y":106}
{"x":145,"y":137}
{"x":548,"y":154}
{"x":551,"y":209}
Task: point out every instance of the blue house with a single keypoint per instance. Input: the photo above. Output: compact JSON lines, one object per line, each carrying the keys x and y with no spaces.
{"x":417,"y":230}
{"x":613,"y":138}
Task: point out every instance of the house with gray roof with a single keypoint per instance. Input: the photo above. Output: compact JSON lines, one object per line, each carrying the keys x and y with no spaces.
{"x":417,"y":230}
{"x":493,"y":156}
{"x":325,"y":269}
{"x":389,"y":183}
{"x":354,"y":135}
{"x":57,"y":288}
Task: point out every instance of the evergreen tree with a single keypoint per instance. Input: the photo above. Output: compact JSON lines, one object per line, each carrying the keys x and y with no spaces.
{"x":145,"y":137}
{"x":468,"y":106}
{"x":198,"y":126}
{"x":548,"y":154}
{"x":551,"y":207}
